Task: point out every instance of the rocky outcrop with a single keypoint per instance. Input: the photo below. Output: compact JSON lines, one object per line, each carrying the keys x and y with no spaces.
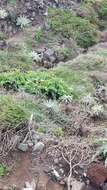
{"x":97,"y":174}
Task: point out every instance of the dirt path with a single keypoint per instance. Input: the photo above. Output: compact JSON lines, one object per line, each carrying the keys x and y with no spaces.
{"x":27,"y":169}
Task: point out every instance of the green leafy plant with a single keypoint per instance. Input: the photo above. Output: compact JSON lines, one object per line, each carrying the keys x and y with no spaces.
{"x":67,"y":53}
{"x":58,"y":132}
{"x":23,"y":21}
{"x":34,"y":83}
{"x":2,"y":170}
{"x":39,"y":34}
{"x":41,"y":130}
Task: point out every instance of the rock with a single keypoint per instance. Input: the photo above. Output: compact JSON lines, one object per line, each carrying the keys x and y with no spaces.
{"x":35,"y":138}
{"x":81,"y":13}
{"x":50,"y":56}
{"x":56,"y":160}
{"x":30,"y":186}
{"x":97,"y":174}
{"x":30,"y":143}
{"x":77,"y":185}
{"x":3,"y":45}
{"x":23,"y":147}
{"x":39,"y":147}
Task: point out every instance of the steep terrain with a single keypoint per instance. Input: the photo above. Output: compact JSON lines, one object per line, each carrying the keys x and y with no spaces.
{"x":53,"y":95}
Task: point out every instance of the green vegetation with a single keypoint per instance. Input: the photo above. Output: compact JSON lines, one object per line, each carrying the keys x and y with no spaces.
{"x":58,"y":132}
{"x":39,"y":34}
{"x":69,"y":25}
{"x":103,"y":10}
{"x":67,"y":53}
{"x":2,"y":170}
{"x":90,"y":62}
{"x":15,"y":60}
{"x":34,"y":83}
{"x":12,"y":114}
{"x":87,"y":9}
{"x":77,"y":80}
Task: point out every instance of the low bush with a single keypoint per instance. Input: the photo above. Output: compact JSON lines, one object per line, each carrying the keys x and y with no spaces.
{"x":89,"y":62}
{"x":103,"y":10}
{"x":12,"y":114}
{"x":15,"y":60}
{"x":87,"y":9}
{"x":2,"y":170}
{"x":69,"y":25}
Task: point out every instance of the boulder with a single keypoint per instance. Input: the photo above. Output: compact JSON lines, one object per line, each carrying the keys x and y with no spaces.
{"x":97,"y":174}
{"x":49,"y":55}
{"x":23,"y":147}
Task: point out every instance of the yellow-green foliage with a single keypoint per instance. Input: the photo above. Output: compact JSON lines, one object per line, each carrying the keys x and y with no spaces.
{"x":34,"y":83}
{"x":58,"y":132}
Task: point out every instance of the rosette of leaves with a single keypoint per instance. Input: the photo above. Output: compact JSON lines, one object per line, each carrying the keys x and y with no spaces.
{"x":23,"y":22}
{"x":3,"y":13}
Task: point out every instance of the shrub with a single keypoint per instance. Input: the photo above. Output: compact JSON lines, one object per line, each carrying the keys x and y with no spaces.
{"x":103,"y":9}
{"x":15,"y":60}
{"x":69,"y":25}
{"x":39,"y":34}
{"x":58,"y":132}
{"x":89,"y":13}
{"x":11,"y":114}
{"x":89,"y":62}
{"x":67,"y":53}
{"x":2,"y":170}
{"x":34,"y":83}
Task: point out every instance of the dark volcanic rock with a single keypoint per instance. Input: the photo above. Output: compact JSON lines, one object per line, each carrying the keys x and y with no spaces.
{"x":97,"y":174}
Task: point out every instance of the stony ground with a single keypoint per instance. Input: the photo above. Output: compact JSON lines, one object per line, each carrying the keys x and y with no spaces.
{"x":52,"y":142}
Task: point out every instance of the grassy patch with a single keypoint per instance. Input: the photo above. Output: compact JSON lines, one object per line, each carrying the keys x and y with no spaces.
{"x":78,"y":81}
{"x":89,"y":62}
{"x":15,"y":60}
{"x":12,"y":114}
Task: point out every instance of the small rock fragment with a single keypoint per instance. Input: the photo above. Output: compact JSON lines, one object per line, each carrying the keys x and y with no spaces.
{"x":23,"y":147}
{"x":77,"y":185}
{"x":39,"y":147}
